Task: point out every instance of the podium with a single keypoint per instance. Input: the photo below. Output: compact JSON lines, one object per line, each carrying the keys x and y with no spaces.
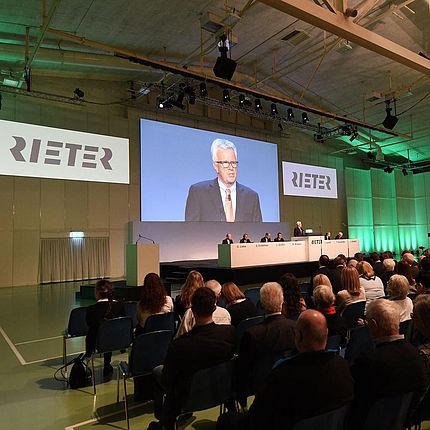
{"x":141,"y":259}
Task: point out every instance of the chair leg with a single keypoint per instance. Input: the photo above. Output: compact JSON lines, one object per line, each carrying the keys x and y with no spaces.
{"x":126,"y":401}
{"x":65,"y":356}
{"x":117,"y":382}
{"x":94,"y":386}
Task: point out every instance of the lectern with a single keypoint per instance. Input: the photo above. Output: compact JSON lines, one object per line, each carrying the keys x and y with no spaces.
{"x":141,"y":259}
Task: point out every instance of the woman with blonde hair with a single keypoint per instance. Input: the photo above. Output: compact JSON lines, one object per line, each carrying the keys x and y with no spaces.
{"x":321,"y":279}
{"x":183,"y":300}
{"x":398,"y":290}
{"x":373,"y":286}
{"x":352,"y":290}
{"x":238,"y":306}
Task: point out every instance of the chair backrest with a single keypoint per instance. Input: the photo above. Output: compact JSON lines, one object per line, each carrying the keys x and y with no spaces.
{"x":209,"y":387}
{"x":405,"y":328}
{"x":359,"y":342}
{"x":389,"y":413}
{"x":245,"y":325}
{"x":352,"y":312}
{"x":148,"y":351}
{"x":305,"y":289}
{"x":131,"y":311}
{"x":253,"y":294}
{"x":77,"y":322}
{"x":333,"y":420}
{"x":160,"y":322}
{"x":333,"y":343}
{"x":114,"y":334}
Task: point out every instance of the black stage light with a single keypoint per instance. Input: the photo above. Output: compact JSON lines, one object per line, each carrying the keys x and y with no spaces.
{"x":280,"y":126}
{"x":192,"y":97}
{"x":305,"y":118}
{"x":371,"y":155}
{"x":226,"y":96}
{"x":241,"y":100}
{"x":258,"y":105}
{"x":388,"y":169}
{"x":290,"y":114}
{"x":79,"y":94}
{"x":405,"y":172}
{"x":273,"y":109}
{"x":203,"y":89}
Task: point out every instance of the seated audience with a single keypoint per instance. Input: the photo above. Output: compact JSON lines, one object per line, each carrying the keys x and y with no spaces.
{"x":267,"y":238}
{"x":308,"y":384}
{"x":386,"y":254}
{"x":389,"y":266}
{"x":321,"y":280}
{"x":245,"y":238}
{"x":405,"y":269}
{"x":373,"y":286}
{"x":206,"y":345}
{"x":279,"y":237}
{"x":359,"y":256}
{"x":409,"y":258}
{"x":228,"y":239}
{"x":422,"y":328}
{"x":375,"y":260}
{"x":323,"y":268}
{"x":237,"y":305}
{"x":154,"y":300}
{"x":423,"y":278}
{"x":352,"y":292}
{"x":339,"y":263}
{"x":393,"y":368}
{"x":183,"y":299}
{"x":294,"y":304}
{"x":324,"y":302}
{"x":262,"y":344}
{"x":106,"y":308}
{"x":398,"y":289}
{"x":220,"y":315}
{"x":352,"y":262}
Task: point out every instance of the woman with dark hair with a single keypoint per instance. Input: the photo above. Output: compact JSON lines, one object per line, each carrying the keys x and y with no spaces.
{"x":294,"y":304}
{"x":183,"y":300}
{"x":106,"y":308}
{"x":237,"y":305}
{"x":405,"y":269}
{"x":153,"y":300}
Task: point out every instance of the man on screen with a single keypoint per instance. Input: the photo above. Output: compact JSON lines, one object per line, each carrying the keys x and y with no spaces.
{"x":223,"y":198}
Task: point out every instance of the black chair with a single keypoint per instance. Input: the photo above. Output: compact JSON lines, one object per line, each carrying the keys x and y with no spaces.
{"x":359,"y":341}
{"x":353,"y":312}
{"x":253,"y":294}
{"x":389,"y":413}
{"x":333,"y":420}
{"x":113,"y":335}
{"x":148,"y":351}
{"x":333,"y":343}
{"x":131,"y":311}
{"x":405,"y":328}
{"x":305,"y":290}
{"x":158,"y":322}
{"x":77,"y":327}
{"x":245,"y":325}
{"x":209,"y":388}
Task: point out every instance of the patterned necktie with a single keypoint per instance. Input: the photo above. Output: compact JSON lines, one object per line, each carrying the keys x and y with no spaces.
{"x":229,"y":214}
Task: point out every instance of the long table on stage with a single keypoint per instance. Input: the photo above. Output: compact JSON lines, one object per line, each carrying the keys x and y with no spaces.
{"x":303,"y":249}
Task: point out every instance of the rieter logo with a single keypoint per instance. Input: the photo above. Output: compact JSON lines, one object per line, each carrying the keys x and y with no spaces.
{"x":61,"y":153}
{"x":311,"y":180}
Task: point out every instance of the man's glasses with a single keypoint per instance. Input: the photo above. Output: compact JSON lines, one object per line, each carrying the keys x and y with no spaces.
{"x":227,"y":164}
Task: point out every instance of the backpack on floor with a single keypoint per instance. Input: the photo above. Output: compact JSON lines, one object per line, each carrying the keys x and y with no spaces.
{"x":80,"y":373}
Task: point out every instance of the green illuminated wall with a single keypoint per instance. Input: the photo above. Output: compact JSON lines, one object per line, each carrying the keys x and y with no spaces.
{"x":388,"y":211}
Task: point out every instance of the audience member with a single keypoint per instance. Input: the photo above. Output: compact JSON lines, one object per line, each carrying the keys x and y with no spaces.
{"x":423,"y":278}
{"x":206,"y":345}
{"x":386,"y":254}
{"x":422,"y":327}
{"x":183,"y":300}
{"x":228,"y":239}
{"x":294,"y":304}
{"x":267,"y":238}
{"x":352,"y":262}
{"x":373,"y":286}
{"x":279,"y":237}
{"x":352,"y":290}
{"x":409,"y":258}
{"x":154,"y":300}
{"x":236,"y":304}
{"x":321,"y":279}
{"x":339,"y":263}
{"x":262,"y":344}
{"x":359,"y":256}
{"x":323,"y":268}
{"x":405,"y":269}
{"x":398,"y":289}
{"x":389,"y":266}
{"x":310,"y":383}
{"x":220,"y":315}
{"x":106,"y":308}
{"x":375,"y":260}
{"x":393,"y":368}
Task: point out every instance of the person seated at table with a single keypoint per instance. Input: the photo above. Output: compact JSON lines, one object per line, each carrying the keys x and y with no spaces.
{"x":238,"y":306}
{"x":327,"y":236}
{"x":245,"y":238}
{"x":279,"y":237}
{"x":267,"y":238}
{"x":339,"y":235}
{"x":228,"y":239}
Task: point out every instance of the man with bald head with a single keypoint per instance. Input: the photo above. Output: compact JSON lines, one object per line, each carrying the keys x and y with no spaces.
{"x":310,"y":383}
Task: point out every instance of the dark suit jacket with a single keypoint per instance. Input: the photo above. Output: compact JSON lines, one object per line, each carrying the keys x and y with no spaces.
{"x":298,"y":232}
{"x":336,"y":280}
{"x":266,"y":239}
{"x":378,"y":268}
{"x":245,"y":241}
{"x":303,"y":386}
{"x":204,"y":203}
{"x":227,"y":242}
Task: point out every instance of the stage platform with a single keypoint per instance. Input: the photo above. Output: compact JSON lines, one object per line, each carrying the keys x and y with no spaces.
{"x":174,"y":274}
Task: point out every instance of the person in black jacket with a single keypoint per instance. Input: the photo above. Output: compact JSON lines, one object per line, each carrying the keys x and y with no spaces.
{"x":106,"y":308}
{"x":239,"y":307}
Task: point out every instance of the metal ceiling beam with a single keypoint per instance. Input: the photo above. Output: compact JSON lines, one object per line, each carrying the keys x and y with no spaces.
{"x":344,"y":27}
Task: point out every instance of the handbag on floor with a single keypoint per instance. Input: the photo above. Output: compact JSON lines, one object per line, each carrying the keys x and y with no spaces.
{"x":80,"y":373}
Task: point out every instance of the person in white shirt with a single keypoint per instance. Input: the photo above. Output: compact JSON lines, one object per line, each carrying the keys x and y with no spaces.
{"x":373,"y":286}
{"x":398,"y":290}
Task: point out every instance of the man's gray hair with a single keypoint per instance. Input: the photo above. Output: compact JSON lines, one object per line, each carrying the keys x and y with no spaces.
{"x":215,"y":286}
{"x":271,"y":297}
{"x":398,"y":287}
{"x":389,"y":264}
{"x":222,"y":144}
{"x":386,"y":314}
{"x":408,"y":257}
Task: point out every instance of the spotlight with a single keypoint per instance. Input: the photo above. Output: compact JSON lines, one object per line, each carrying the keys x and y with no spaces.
{"x":354,"y":134}
{"x":164,"y":104}
{"x":273,"y":109}
{"x":290,"y":114}
{"x":388,"y":169}
{"x":390,"y":120}
{"x":405,"y":172}
{"x":203,"y":90}
{"x":305,"y":118}
{"x":192,"y":97}
{"x":79,"y":94}
{"x":318,"y":137}
{"x":258,"y":105}
{"x":345,"y":130}
{"x":226,"y":96}
{"x":241,"y":100}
